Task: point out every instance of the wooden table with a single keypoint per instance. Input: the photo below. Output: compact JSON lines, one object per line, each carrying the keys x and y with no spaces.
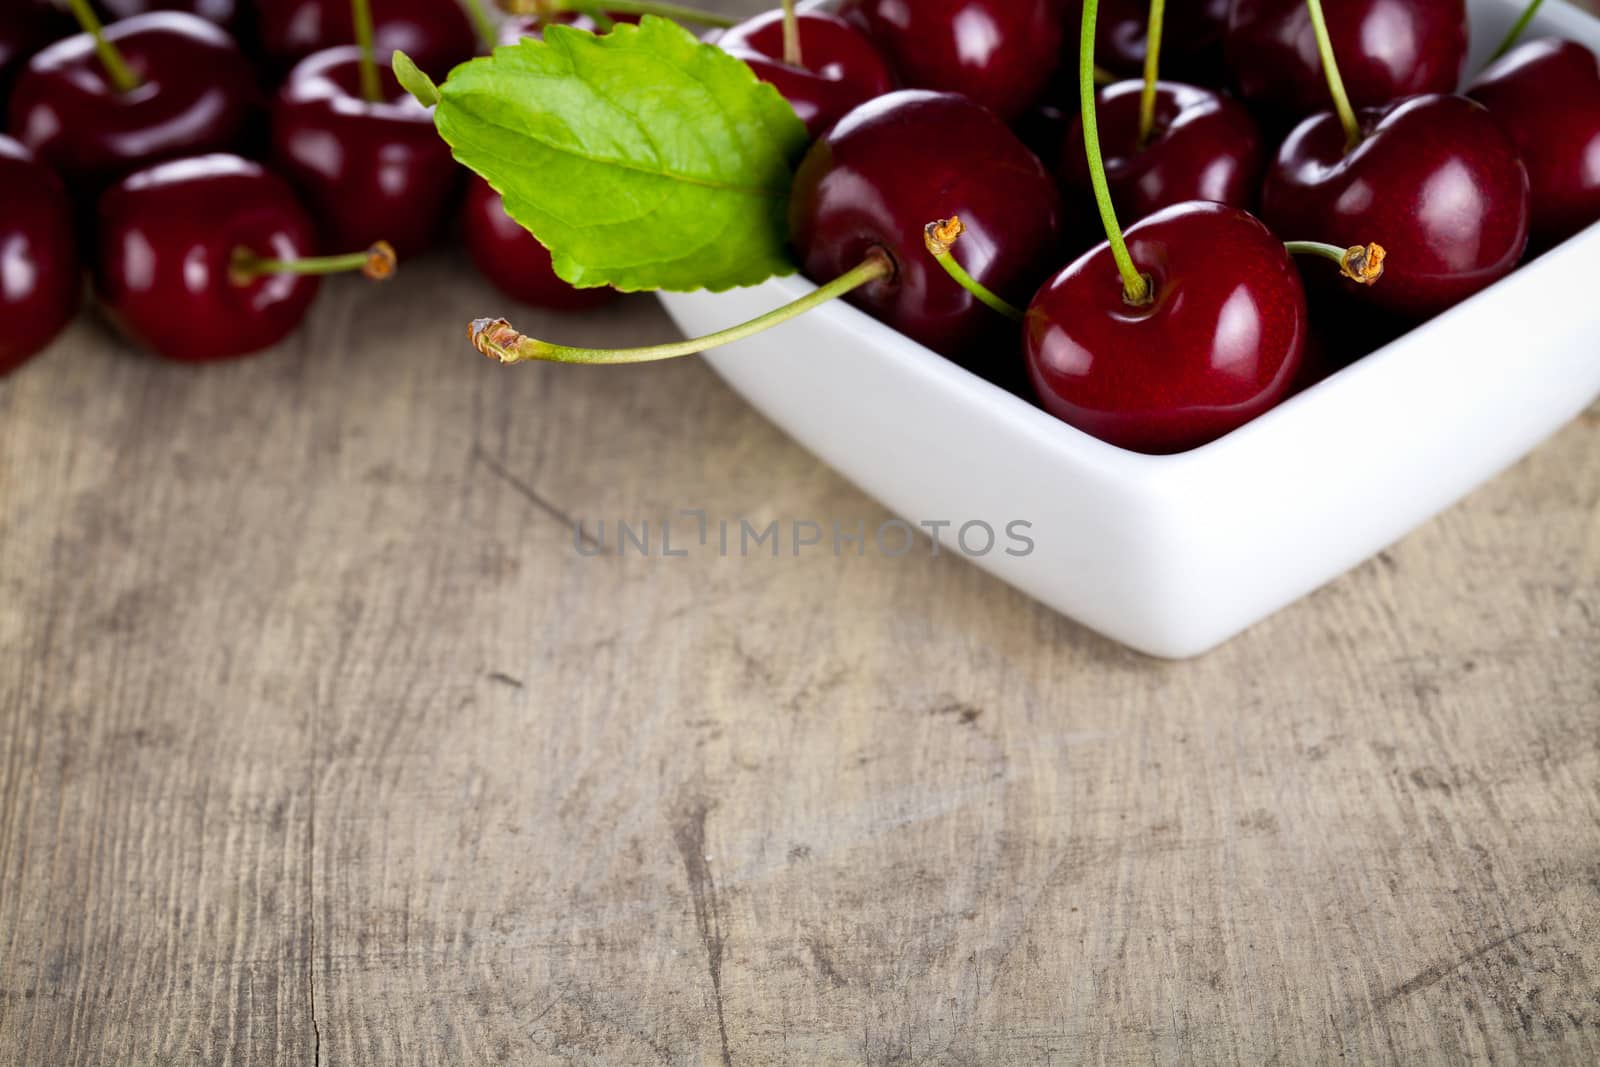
{"x":321,"y":743}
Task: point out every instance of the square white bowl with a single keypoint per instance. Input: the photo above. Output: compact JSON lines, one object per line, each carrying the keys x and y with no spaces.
{"x":1173,"y":555}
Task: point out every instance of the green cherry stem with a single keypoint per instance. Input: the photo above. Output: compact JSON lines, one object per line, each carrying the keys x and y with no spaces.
{"x":497,"y":339}
{"x":1330,"y":68}
{"x":676,"y":12}
{"x":1135,"y":288}
{"x":488,"y":34}
{"x":1516,"y":30}
{"x":361,"y":17}
{"x":938,"y":237}
{"x":1359,"y":263}
{"x":791,"y":36}
{"x":123,"y":79}
{"x":1152,"y":70}
{"x":376,"y":263}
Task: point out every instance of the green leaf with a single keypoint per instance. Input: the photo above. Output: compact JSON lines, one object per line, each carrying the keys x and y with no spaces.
{"x":414,"y":81}
{"x":643,"y":159}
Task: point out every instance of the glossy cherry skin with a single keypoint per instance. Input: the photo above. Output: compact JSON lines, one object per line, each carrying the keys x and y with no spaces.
{"x":225,"y":13}
{"x":1191,"y":38}
{"x":197,"y":94}
{"x":1434,"y":182}
{"x":40,"y":280}
{"x":1000,"y":53}
{"x":1387,"y":49}
{"x":1203,"y":146}
{"x":370,"y":172}
{"x":513,"y":260}
{"x":26,"y":26}
{"x":1220,"y":342}
{"x":167,"y":236}
{"x":893,"y":165}
{"x":437,"y":34}
{"x":842,"y":67}
{"x":1546,"y":97}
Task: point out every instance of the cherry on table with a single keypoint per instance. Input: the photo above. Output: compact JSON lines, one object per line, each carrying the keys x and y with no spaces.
{"x":1202,"y":146}
{"x":1546,"y":97}
{"x":1387,"y":49}
{"x":893,"y":165}
{"x":514,"y":260}
{"x":370,"y":170}
{"x":840,"y":66}
{"x":40,"y":280}
{"x":1432,"y":179}
{"x":194,"y":93}
{"x":436,"y":34}
{"x":210,"y":258}
{"x":1000,"y":53}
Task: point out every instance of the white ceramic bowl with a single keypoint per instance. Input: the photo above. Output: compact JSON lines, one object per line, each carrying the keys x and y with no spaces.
{"x":1175,"y":554}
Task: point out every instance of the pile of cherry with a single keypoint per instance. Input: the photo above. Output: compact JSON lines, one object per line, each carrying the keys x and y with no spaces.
{"x":204,"y":159}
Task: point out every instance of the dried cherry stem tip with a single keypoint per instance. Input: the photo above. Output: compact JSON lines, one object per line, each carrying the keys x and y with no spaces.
{"x":1330,"y":69}
{"x":938,"y":237}
{"x":1152,"y":71}
{"x":497,"y":339}
{"x":123,"y":79}
{"x":1516,"y":30}
{"x":545,"y":9}
{"x":377,"y":263}
{"x":1359,"y":263}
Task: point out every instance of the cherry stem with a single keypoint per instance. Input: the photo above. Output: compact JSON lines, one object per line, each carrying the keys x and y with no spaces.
{"x":791,"y":36}
{"x":1135,"y":288}
{"x":1516,"y":29}
{"x":1152,"y":69}
{"x":676,"y":12}
{"x":1359,"y":263}
{"x":123,"y":79}
{"x":1330,"y":68}
{"x":377,"y":263}
{"x":488,"y":34}
{"x":361,"y":16}
{"x":1102,"y":76}
{"x":938,"y":237}
{"x":497,"y":339}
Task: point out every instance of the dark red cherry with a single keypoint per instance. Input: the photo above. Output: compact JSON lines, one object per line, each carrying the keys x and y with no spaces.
{"x":369,"y":171}
{"x":26,"y":26}
{"x":1220,"y":342}
{"x":1191,"y":38}
{"x":1434,"y":182}
{"x":225,"y":13}
{"x":1546,"y":97}
{"x":168,"y":237}
{"x":436,"y":34}
{"x":909,"y":158}
{"x":511,"y":258}
{"x":197,"y":94}
{"x":1000,"y":53}
{"x":40,"y":281}
{"x":1386,"y":49}
{"x":1203,"y":146}
{"x":841,"y":66}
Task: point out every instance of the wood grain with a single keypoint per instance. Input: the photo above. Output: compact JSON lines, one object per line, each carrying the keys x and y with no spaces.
{"x":321,"y":744}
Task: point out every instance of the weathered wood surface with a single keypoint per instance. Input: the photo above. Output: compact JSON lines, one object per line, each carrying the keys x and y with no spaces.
{"x":319,"y":743}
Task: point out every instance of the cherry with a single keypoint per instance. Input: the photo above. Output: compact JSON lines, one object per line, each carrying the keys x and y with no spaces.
{"x":436,"y":34}
{"x":371,"y":170}
{"x":1387,"y":48}
{"x":1202,"y":146}
{"x":1546,"y":97}
{"x":26,"y":26}
{"x":1192,"y":43}
{"x":513,"y":259}
{"x":182,"y":88}
{"x":899,"y":162}
{"x":838,"y":68}
{"x":1000,"y":53}
{"x":1219,"y":341}
{"x":1432,"y":179}
{"x":40,"y":282}
{"x":206,"y":258}
{"x":225,"y":13}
